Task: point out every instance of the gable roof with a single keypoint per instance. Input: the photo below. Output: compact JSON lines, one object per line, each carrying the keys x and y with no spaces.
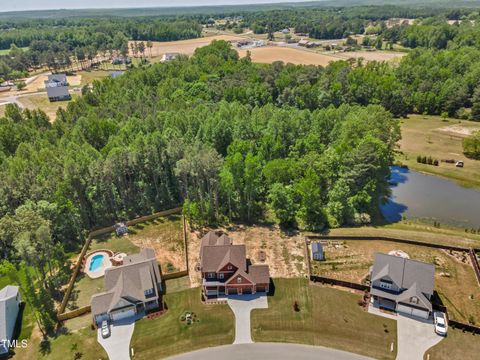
{"x":216,"y":257}
{"x":126,"y":284}
{"x":414,"y":291}
{"x":404,"y":272}
{"x":260,"y":273}
{"x":241,"y":273}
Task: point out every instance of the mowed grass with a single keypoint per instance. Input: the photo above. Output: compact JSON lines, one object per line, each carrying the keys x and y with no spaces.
{"x":83,"y":291}
{"x":440,"y":139}
{"x":88,"y":77}
{"x":167,"y":335}
{"x":457,"y":345}
{"x":41,"y":102}
{"x":455,"y":280}
{"x":178,"y":284}
{"x":121,"y":244}
{"x":327,"y":317}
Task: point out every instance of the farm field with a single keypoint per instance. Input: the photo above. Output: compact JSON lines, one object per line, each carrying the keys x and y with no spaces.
{"x":441,"y":139}
{"x":455,"y":280}
{"x":269,"y":54}
{"x":327,"y":317}
{"x":370,"y":55}
{"x":284,"y":254}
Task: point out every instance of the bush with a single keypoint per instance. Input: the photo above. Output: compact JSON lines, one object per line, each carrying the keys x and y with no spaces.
{"x":419,"y":159}
{"x":429,"y":160}
{"x":424,"y":160}
{"x":471,"y":146}
{"x":435,"y":162}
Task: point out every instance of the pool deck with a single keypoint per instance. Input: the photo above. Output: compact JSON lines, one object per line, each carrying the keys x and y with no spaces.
{"x":100,"y":272}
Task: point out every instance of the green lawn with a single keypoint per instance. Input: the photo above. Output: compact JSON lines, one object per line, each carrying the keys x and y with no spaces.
{"x":457,"y":345}
{"x":114,"y":243}
{"x":83,"y":290}
{"x":167,"y":335}
{"x":179,"y":284}
{"x":327,"y":317}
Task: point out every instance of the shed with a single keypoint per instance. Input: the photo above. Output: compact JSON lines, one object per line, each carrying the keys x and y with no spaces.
{"x":121,"y":228}
{"x":317,"y":251}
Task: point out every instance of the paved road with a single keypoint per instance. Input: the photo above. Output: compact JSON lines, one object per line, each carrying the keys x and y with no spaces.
{"x":269,"y":351}
{"x":241,"y":306}
{"x":117,"y":345}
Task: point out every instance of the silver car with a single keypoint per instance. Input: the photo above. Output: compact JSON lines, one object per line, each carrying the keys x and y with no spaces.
{"x":105,"y":329}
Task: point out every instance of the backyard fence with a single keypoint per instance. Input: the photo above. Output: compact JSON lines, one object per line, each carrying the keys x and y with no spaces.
{"x":175,"y":275}
{"x":476,"y":266}
{"x":465,"y":327}
{"x":384,"y":238}
{"x":74,"y":313}
{"x":93,"y":234}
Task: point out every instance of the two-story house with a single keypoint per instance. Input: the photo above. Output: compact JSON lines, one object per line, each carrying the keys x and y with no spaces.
{"x":130,"y":289}
{"x":402,"y":285}
{"x":225,"y":270}
{"x":10,"y":301}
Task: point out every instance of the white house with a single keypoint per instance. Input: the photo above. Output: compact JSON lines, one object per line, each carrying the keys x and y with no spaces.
{"x":9,"y":307}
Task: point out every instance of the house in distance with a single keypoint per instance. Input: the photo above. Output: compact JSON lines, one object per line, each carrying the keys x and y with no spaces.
{"x":57,"y":87}
{"x":317,"y":251}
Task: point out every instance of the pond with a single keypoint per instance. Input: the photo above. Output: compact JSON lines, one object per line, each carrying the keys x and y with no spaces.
{"x":431,"y":198}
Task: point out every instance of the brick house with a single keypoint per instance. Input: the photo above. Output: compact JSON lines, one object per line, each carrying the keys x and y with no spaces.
{"x":226,"y":270}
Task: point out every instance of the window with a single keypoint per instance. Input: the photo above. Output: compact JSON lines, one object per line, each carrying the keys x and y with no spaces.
{"x":385,"y":284}
{"x":148,"y":292}
{"x":229,"y":267}
{"x":220,"y":276}
{"x":414,"y":300}
{"x":211,"y":275}
{"x":239,"y":279}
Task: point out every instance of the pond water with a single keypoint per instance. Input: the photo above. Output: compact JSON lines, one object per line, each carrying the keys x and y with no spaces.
{"x":431,"y":198}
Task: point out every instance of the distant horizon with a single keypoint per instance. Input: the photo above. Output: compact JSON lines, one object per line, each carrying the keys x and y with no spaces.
{"x":39,"y":5}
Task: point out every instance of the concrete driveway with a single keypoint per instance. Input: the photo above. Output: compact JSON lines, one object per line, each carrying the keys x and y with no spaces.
{"x":117,"y":345}
{"x":414,"y":335}
{"x":269,"y":351}
{"x":241,"y":306}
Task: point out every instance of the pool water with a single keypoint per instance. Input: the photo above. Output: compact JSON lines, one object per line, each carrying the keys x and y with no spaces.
{"x":96,"y":263}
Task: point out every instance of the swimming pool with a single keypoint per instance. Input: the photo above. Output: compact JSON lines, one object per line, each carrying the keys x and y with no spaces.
{"x":96,"y":262}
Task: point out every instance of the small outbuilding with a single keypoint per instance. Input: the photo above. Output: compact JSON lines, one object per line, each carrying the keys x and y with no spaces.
{"x":317,"y":251}
{"x":121,"y":228}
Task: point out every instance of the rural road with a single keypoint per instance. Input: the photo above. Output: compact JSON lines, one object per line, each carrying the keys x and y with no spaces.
{"x":269,"y":351}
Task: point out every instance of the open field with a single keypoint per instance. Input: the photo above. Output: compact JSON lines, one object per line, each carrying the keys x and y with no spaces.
{"x":284,"y":254}
{"x":37,"y":83}
{"x":40,"y":101}
{"x":369,"y":55}
{"x":455,"y":280}
{"x":185,"y":46}
{"x":269,"y":54}
{"x":88,"y":77}
{"x":440,"y":139}
{"x":327,"y":317}
{"x":457,"y":345}
{"x":168,"y":335}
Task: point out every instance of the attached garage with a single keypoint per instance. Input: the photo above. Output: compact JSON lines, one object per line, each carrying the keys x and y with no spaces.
{"x":122,"y":314}
{"x":408,"y":310}
{"x":231,"y":291}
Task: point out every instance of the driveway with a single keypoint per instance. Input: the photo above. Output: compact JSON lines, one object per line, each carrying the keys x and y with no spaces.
{"x":415,"y":336}
{"x":241,"y":306}
{"x":269,"y":351}
{"x":117,"y":345}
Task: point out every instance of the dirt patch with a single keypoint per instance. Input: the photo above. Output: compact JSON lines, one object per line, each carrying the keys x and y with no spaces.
{"x":458,"y":130}
{"x":269,"y":54}
{"x":370,"y":55}
{"x":284,"y":253}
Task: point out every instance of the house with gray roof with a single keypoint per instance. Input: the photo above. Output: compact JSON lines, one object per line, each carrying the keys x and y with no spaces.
{"x":317,"y":251}
{"x":131,"y":289}
{"x":225,"y":269}
{"x":10,"y":301}
{"x":402,"y":285}
{"x":57,"y":87}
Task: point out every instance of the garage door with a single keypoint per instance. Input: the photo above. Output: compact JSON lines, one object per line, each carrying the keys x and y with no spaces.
{"x":119,"y":315}
{"x":403,"y":309}
{"x":232,"y":291}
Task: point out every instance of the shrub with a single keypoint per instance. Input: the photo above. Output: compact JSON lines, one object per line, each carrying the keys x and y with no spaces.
{"x":429,"y":160}
{"x":435,"y":162}
{"x":419,"y":159}
{"x":471,"y":146}
{"x":424,"y":159}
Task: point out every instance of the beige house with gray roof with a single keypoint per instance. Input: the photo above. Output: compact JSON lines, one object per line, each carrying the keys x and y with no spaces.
{"x":131,"y":289}
{"x":402,"y":285}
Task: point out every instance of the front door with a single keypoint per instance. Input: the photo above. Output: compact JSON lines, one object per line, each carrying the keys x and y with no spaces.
{"x":240,"y":291}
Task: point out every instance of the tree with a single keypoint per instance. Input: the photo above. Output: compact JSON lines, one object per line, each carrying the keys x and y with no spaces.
{"x":471,"y":146}
{"x":475,"y":114}
{"x":283,"y":203}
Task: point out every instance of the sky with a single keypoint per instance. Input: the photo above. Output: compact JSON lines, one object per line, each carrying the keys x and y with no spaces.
{"x":18,"y":5}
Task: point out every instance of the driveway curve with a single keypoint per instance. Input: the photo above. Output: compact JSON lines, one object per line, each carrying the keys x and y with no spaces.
{"x":269,"y":351}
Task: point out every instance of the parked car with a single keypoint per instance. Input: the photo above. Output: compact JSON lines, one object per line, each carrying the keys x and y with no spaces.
{"x":440,"y":323}
{"x":105,"y":329}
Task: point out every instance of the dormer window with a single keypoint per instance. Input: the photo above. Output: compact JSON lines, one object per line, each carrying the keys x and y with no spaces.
{"x":414,"y":300}
{"x":385,"y":284}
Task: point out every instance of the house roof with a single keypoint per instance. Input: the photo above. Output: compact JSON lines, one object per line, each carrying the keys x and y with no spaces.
{"x":260,"y":274}
{"x":317,"y":247}
{"x":241,"y":273}
{"x":126,"y":284}
{"x":6,"y":293}
{"x":215,"y":257}
{"x":413,"y":278}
